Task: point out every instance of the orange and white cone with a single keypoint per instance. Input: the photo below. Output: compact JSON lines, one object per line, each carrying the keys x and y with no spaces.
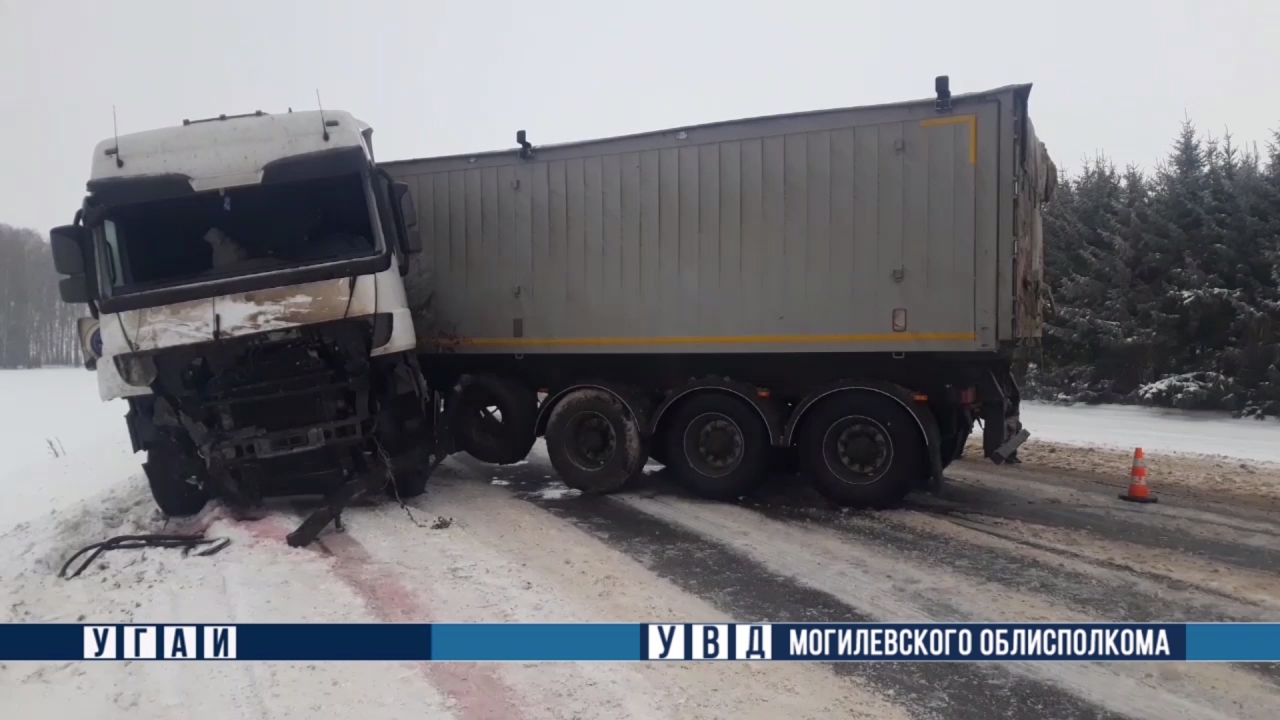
{"x":1138,"y":490}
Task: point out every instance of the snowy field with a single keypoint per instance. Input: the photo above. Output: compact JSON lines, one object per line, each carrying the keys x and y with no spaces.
{"x":58,"y":406}
{"x":1155,"y":430}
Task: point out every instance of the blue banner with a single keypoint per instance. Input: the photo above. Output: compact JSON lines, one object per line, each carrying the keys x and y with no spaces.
{"x":576,"y":642}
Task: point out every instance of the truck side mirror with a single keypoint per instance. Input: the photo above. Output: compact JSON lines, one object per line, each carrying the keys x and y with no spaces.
{"x":408,"y":216}
{"x":68,"y":244}
{"x":74,"y":290}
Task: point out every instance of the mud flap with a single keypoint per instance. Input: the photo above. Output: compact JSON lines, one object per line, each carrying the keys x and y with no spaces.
{"x":934,"y":438}
{"x":1002,"y":431}
{"x":1010,"y":446}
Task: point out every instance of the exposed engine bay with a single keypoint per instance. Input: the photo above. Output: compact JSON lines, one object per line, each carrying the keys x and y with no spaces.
{"x":298,"y":411}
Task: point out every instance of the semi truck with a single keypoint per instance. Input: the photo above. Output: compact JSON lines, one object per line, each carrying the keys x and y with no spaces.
{"x":243,"y":281}
{"x":846,"y":288}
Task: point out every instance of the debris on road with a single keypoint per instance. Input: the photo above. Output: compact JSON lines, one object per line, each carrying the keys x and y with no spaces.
{"x":135,"y":542}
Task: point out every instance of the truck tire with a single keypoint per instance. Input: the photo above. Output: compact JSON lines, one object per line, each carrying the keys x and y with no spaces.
{"x":594,"y":443}
{"x":718,"y":446}
{"x":409,"y":484}
{"x":169,"y":473}
{"x":497,"y":420}
{"x":409,"y":474}
{"x":862,"y":450}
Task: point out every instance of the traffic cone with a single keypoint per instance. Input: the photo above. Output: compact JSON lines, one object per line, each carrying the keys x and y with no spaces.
{"x":1138,"y":490}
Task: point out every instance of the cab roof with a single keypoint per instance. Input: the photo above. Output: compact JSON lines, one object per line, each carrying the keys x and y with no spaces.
{"x":225,"y":151}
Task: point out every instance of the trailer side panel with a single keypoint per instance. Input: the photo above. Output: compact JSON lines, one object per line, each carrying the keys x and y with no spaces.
{"x":864,"y":230}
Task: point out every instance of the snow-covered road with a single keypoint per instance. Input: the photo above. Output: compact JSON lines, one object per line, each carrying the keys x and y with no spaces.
{"x":1027,"y":543}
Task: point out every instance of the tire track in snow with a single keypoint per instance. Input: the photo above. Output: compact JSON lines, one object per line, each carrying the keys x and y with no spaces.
{"x":1250,"y":541}
{"x":1091,"y":688}
{"x":746,"y":590}
{"x":1110,"y":592}
{"x":1094,"y":589}
{"x":875,"y":581}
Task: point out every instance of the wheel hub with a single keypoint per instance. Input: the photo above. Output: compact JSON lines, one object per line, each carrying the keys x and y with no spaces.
{"x":594,"y":440}
{"x":713,"y":444}
{"x":862,"y":448}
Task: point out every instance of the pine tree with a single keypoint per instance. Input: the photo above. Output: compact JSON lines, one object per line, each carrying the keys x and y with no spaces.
{"x":1168,"y":287}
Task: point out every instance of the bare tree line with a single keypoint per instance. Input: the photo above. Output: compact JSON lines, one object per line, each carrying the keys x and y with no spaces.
{"x":36,"y":327}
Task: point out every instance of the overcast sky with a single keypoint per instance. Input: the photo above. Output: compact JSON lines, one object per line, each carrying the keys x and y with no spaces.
{"x":444,"y":77}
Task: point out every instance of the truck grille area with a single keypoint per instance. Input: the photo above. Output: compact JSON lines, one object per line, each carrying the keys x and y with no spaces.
{"x":253,"y":399}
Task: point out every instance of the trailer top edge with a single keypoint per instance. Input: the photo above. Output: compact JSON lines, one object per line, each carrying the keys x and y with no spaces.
{"x":1023,"y":88}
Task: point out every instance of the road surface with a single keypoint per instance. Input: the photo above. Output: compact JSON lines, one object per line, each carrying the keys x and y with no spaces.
{"x":1019,"y":543}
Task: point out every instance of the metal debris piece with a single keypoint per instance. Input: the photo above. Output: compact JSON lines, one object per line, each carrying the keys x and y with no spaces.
{"x":136,"y":542}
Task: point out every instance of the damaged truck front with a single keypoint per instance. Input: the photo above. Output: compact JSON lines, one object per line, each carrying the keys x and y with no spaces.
{"x":243,"y":275}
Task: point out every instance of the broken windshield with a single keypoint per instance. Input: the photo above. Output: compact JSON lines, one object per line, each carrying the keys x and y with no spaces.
{"x":239,"y":231}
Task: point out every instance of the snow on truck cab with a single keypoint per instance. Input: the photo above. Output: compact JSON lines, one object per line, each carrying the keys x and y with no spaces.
{"x":244,"y":274}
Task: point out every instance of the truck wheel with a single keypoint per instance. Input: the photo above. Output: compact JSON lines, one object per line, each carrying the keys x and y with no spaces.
{"x":862,"y":450}
{"x":718,"y":446}
{"x":497,"y":420}
{"x":410,"y":476}
{"x":171,"y":476}
{"x":594,"y":443}
{"x":409,"y":484}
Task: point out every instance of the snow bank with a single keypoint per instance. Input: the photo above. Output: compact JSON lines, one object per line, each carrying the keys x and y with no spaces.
{"x":58,"y":406}
{"x":1153,"y":429}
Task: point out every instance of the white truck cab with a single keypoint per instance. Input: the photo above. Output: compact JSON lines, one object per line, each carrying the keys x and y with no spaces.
{"x":157,"y":196}
{"x":244,"y":274}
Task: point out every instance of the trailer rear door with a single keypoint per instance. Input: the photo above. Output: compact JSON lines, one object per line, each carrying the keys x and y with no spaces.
{"x":1035,"y":177}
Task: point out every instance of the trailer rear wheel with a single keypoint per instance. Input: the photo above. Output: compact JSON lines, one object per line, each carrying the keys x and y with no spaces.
{"x":862,"y":450}
{"x":594,"y":443}
{"x":175,"y":479}
{"x":497,"y":419}
{"x":718,"y":446}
